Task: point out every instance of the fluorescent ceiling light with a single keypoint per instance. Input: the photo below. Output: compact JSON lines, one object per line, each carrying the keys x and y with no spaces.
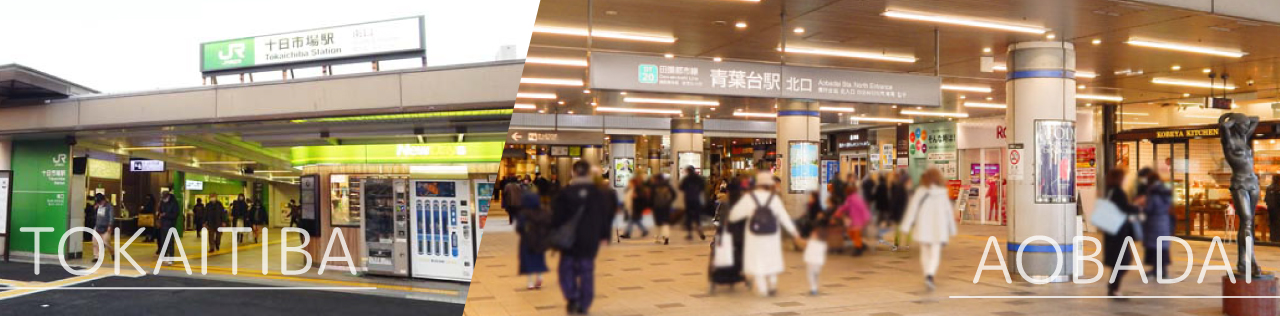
{"x":985,"y":105}
{"x":1100,"y":97}
{"x":275,"y":171}
{"x":835,"y":109}
{"x":158,"y":147}
{"x":228,"y":162}
{"x":965,"y":21}
{"x":525,"y":106}
{"x":930,"y":113}
{"x":605,"y":34}
{"x":556,"y":61}
{"x":881,"y":119}
{"x":552,"y":81}
{"x":1202,"y":116}
{"x":753,"y":114}
{"x":851,"y":54}
{"x":1186,"y":48}
{"x":966,"y":88}
{"x":1140,"y":123}
{"x":636,"y":110}
{"x":670,"y":101}
{"x":1135,"y":113}
{"x":1189,"y":83}
{"x":535,"y":95}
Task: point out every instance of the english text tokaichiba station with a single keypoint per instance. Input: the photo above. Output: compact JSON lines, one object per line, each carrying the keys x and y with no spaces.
{"x":391,"y":168}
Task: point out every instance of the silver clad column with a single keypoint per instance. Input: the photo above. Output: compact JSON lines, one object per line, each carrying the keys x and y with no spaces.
{"x":686,"y":137}
{"x":797,"y":121}
{"x":1041,"y":87}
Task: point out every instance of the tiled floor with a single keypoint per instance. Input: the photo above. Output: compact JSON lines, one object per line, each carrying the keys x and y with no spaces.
{"x":641,"y":278}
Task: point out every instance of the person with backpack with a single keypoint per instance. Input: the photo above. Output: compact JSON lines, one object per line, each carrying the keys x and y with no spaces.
{"x":583,"y":218}
{"x":762,"y":244}
{"x":694,"y":188}
{"x":664,"y":195}
{"x":929,"y":217}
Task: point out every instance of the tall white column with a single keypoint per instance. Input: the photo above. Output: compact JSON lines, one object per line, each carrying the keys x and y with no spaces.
{"x":1041,"y":86}
{"x":686,"y":136}
{"x":797,"y":121}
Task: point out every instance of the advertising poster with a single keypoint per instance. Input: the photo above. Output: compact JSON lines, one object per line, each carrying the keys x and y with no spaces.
{"x":4,"y":201}
{"x":624,"y":169}
{"x":803,"y":159}
{"x":1055,"y":150}
{"x":886,"y":156}
{"x":1086,"y":165}
{"x":689,"y":158}
{"x":874,"y":162}
{"x":830,"y":170}
{"x":40,"y":194}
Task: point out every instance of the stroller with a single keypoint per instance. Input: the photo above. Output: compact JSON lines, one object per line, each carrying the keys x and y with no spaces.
{"x":727,"y":275}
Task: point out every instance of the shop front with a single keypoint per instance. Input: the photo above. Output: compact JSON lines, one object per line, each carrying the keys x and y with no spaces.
{"x":1190,"y":158}
{"x":981,"y":146}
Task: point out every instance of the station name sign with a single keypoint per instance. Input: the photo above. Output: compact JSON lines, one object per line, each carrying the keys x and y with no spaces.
{"x":390,"y":39}
{"x":1187,"y":133}
{"x":748,"y":79}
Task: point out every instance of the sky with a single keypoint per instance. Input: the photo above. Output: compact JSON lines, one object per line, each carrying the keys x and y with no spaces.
{"x":138,"y":45}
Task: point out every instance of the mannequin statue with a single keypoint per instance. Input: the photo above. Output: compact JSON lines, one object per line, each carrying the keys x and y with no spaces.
{"x":1236,"y":132}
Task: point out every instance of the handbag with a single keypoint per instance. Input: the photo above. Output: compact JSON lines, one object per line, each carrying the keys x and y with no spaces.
{"x":723,"y":251}
{"x":1107,"y":216}
{"x":146,"y":220}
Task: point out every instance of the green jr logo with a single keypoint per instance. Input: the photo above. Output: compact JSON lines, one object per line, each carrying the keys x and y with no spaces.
{"x":648,"y":73}
{"x":228,"y":54}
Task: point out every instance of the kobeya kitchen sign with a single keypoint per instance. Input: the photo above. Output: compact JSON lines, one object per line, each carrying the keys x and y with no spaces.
{"x":699,"y":76}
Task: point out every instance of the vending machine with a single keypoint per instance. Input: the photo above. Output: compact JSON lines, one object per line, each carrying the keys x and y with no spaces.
{"x":442,"y":240}
{"x":385,"y":225}
{"x":484,"y":199}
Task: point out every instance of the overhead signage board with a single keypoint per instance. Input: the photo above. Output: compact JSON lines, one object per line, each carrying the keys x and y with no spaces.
{"x":701,"y":76}
{"x":856,"y":140}
{"x":554,"y":137}
{"x":193,"y":185}
{"x":467,"y":152}
{"x":146,"y":166}
{"x":390,"y":39}
{"x":1187,"y":133}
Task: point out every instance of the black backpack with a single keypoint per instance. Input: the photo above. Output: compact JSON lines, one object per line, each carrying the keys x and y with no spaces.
{"x":762,"y":220}
{"x":564,"y":237}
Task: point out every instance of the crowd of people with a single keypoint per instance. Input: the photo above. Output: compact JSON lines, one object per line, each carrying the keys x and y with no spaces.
{"x":157,"y":217}
{"x":1149,"y":218}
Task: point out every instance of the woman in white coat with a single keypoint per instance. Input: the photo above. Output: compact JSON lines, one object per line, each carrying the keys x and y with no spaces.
{"x":762,"y":253}
{"x":929,"y":214}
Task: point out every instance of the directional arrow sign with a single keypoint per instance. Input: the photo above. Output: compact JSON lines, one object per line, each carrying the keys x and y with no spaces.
{"x":515,"y":136}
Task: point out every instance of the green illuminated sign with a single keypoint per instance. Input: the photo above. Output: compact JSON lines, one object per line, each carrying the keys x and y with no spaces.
{"x":472,"y":152}
{"x":389,"y":39}
{"x":229,"y":54}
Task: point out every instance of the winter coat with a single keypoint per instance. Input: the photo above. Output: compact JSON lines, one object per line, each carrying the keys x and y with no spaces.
{"x":929,"y":213}
{"x":762,"y":254}
{"x":855,"y":209}
{"x":1113,"y":243}
{"x":1159,"y":221}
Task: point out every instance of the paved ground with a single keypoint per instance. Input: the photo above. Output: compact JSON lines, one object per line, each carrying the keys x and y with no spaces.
{"x":209,"y":302}
{"x":641,"y":278}
{"x":19,"y":286}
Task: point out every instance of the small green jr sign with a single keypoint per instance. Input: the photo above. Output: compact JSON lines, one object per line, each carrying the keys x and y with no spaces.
{"x":648,"y":73}
{"x":228,"y":54}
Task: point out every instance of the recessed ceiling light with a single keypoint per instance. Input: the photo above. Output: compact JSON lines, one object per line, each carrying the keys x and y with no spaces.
{"x":525,"y":106}
{"x":717,"y":59}
{"x":669,"y":55}
{"x":561,"y":102}
{"x":880,"y":119}
{"x":1100,"y":97}
{"x":588,"y":91}
{"x":570,"y":112}
{"x":1088,"y":104}
{"x":851,"y":54}
{"x":962,"y":97}
{"x":964,"y":21}
{"x":1206,"y":70}
{"x":1176,"y":68}
{"x":1081,"y":87}
{"x":835,"y":109}
{"x":623,"y":93}
{"x":986,"y":49}
{"x":988,"y":98}
{"x":1186,"y":48}
{"x":741,"y":25}
{"x":604,"y":34}
{"x":1097,"y":41}
{"x":1184,"y":95}
{"x":798,"y":30}
{"x":985,"y":105}
{"x":1050,"y":36}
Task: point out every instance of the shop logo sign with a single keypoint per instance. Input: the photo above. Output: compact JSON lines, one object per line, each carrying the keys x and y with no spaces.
{"x":235,"y":50}
{"x":411,"y":151}
{"x":1000,"y":132}
{"x":228,"y":54}
{"x":648,"y":73}
{"x":60,"y":160}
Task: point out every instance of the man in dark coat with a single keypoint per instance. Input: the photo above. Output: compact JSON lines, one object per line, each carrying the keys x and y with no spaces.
{"x":168,"y":217}
{"x":594,"y":228}
{"x":240,"y":214}
{"x":215,"y":214}
{"x":694,"y":188}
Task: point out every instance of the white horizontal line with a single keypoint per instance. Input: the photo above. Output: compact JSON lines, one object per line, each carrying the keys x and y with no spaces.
{"x":207,"y":288}
{"x":1103,"y":296}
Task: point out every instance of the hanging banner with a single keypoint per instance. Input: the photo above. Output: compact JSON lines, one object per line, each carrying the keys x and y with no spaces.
{"x":1055,"y":150}
{"x":702,"y":76}
{"x":803,"y":160}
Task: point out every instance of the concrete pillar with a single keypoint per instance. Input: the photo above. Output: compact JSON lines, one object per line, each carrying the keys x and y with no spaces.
{"x":564,"y":170}
{"x":1041,"y":86}
{"x":621,"y":146}
{"x":686,"y":137}
{"x":797,"y":122}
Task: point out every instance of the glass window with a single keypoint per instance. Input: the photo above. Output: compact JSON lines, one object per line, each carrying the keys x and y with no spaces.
{"x":344,"y":195}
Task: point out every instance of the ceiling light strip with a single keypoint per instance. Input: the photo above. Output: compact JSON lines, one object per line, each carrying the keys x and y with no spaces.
{"x":556,"y":61}
{"x":535,"y":95}
{"x":754,"y":114}
{"x":966,"y":88}
{"x":851,"y":54}
{"x":605,"y":34}
{"x":1189,"y":83}
{"x":985,"y":105}
{"x":525,"y":106}
{"x":552,"y":81}
{"x":835,"y":109}
{"x":881,"y":119}
{"x":929,"y":17}
{"x":671,"y":101}
{"x":1099,"y":97}
{"x":1186,"y":48}
{"x":636,"y":110}
{"x":928,"y":113}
